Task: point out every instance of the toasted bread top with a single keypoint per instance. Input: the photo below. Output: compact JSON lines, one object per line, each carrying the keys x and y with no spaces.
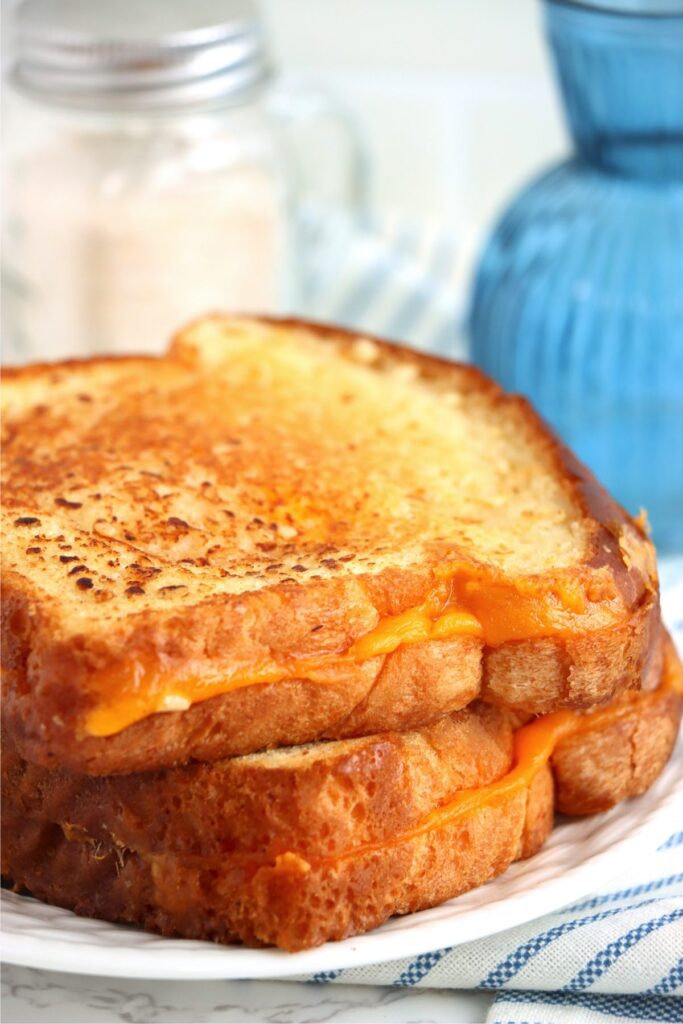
{"x":279,"y":488}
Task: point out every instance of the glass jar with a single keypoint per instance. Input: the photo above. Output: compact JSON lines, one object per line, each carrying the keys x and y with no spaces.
{"x":153,"y":174}
{"x":578,"y":299}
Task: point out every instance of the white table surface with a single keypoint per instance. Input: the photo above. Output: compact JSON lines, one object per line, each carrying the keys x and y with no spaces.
{"x":45,"y":997}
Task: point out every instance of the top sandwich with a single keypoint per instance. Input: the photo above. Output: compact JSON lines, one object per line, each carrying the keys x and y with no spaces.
{"x":281,"y":532}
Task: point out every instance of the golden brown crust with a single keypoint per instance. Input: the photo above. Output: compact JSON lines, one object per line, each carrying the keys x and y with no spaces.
{"x":319,"y":799}
{"x":285,"y":904}
{"x":544,"y":675}
{"x":410,"y":688}
{"x":48,"y":690}
{"x":297,"y":847}
{"x":617,"y":760}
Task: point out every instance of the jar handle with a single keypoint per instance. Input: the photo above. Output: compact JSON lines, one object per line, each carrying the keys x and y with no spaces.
{"x":328,"y":156}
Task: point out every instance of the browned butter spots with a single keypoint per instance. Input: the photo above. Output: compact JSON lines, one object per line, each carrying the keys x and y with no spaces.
{"x":64,"y":503}
{"x":180,"y":523}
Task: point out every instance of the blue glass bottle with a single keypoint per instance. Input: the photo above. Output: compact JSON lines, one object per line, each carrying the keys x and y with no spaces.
{"x":578,"y":299}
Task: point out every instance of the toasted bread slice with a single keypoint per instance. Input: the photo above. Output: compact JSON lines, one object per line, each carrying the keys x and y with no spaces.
{"x":298,"y":846}
{"x":281,"y":532}
{"x":321,"y":798}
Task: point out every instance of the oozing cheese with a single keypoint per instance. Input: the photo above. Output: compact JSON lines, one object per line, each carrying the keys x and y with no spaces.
{"x":139,"y":689}
{"x":462,"y":603}
{"x":535,"y":744}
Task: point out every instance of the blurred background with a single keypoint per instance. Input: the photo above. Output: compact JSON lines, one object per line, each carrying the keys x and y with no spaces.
{"x":468,"y":81}
{"x":455,"y":97}
{"x":450,"y":102}
{"x":499,"y":180}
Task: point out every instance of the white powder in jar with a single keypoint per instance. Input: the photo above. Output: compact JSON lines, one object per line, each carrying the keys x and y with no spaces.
{"x":115,"y":260}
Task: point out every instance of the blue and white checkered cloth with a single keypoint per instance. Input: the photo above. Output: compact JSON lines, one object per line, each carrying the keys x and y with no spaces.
{"x":616,"y":956}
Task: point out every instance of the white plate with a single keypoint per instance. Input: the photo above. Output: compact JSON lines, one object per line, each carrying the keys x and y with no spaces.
{"x":579,"y":857}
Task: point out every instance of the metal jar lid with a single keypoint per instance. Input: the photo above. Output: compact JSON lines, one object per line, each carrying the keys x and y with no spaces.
{"x":138,"y":54}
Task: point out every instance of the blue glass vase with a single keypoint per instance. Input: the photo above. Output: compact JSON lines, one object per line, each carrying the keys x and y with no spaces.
{"x":578,"y":299}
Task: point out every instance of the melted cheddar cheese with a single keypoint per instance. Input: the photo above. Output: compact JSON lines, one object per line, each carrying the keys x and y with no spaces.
{"x":141,"y":689}
{"x":464,"y":602}
{"x":535,"y":744}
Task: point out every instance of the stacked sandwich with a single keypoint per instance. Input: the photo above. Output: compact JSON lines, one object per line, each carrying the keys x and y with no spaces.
{"x":302,"y":630}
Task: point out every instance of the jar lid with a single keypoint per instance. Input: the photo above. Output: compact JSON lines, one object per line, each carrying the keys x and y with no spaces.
{"x":138,"y":54}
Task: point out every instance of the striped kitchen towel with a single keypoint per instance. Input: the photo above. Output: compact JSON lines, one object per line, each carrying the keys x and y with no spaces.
{"x":395,"y":278}
{"x":617,"y":955}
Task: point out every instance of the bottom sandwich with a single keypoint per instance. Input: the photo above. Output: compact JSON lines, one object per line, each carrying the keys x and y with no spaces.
{"x":298,"y":846}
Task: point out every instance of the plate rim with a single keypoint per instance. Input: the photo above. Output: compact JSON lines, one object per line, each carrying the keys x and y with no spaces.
{"x":200,"y":960}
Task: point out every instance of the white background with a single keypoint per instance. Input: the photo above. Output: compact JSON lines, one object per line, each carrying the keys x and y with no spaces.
{"x":456,"y":97}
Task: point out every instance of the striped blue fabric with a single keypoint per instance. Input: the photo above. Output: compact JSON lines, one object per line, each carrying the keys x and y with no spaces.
{"x":390,"y":280}
{"x":420,"y":967}
{"x":521,"y":956}
{"x":584,"y":1009}
{"x":671,"y":981}
{"x":621,"y":894}
{"x":617,"y":955}
{"x":606,"y":957}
